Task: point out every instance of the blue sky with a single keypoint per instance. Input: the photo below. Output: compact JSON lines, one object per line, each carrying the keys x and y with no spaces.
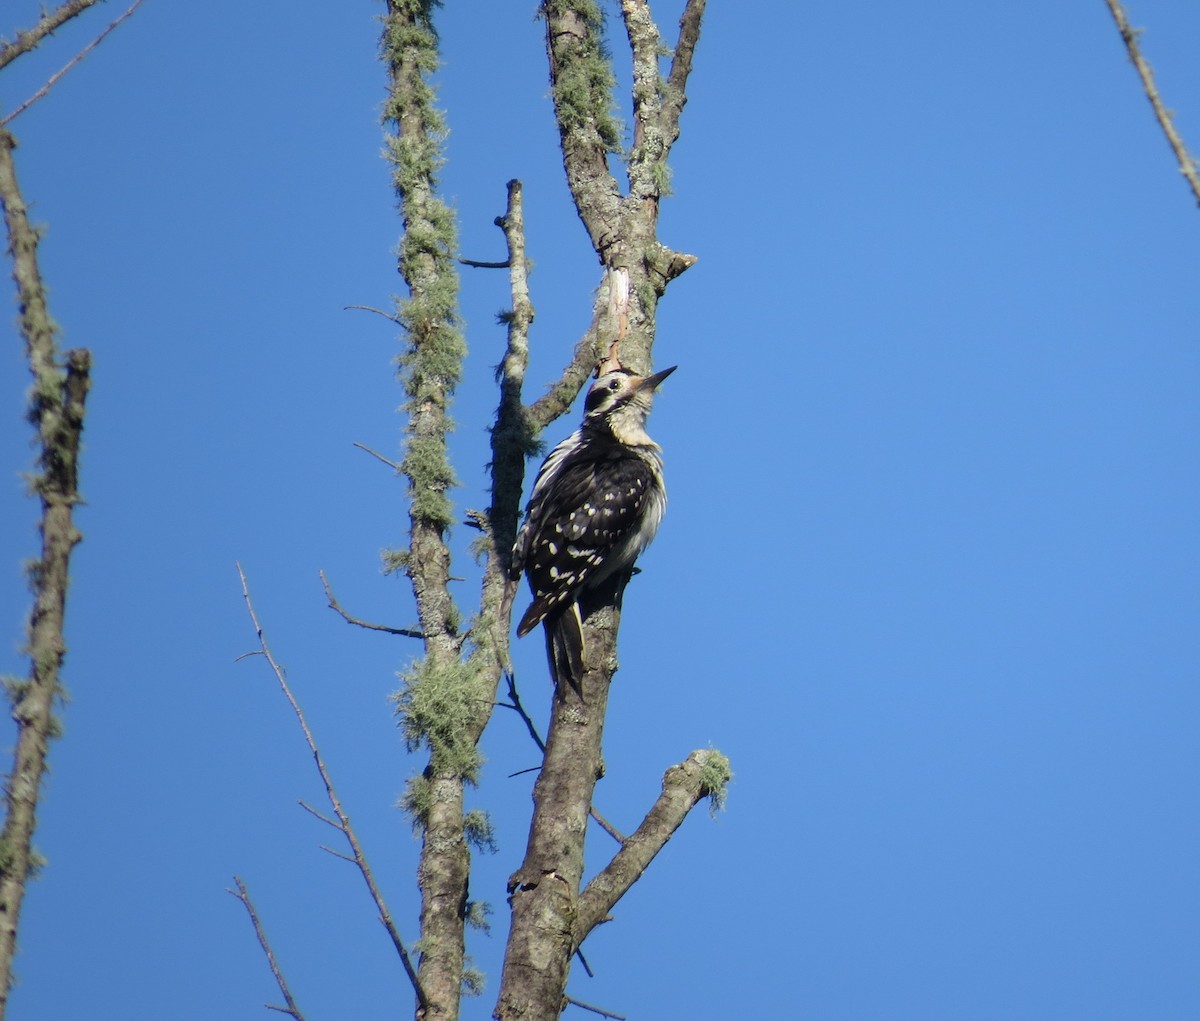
{"x":928,"y":576}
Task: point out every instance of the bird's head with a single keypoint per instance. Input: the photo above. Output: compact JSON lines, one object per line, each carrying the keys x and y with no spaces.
{"x":621,"y":400}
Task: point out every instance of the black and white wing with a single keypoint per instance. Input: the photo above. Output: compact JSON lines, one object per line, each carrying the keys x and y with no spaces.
{"x":593,"y":509}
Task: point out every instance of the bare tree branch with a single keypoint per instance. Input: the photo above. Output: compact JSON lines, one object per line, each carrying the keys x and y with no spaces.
{"x":476,"y":264}
{"x":242,"y":894}
{"x":608,"y":827}
{"x":681,"y":69}
{"x":559,"y":396}
{"x":343,"y":820}
{"x":371,"y":308}
{"x":324,"y":818}
{"x":517,"y":706}
{"x":337,"y":854}
{"x":379,"y":457}
{"x":595,"y":1010}
{"x":702,"y":774}
{"x":512,"y":439}
{"x":50,"y":22}
{"x":336,"y":606}
{"x":70,"y":64}
{"x":56,"y":410}
{"x":1187,"y":165}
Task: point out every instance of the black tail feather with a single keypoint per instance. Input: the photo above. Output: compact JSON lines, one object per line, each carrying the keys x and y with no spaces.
{"x":564,"y":647}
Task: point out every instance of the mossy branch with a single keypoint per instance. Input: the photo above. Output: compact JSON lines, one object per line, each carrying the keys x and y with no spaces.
{"x":56,"y":411}
{"x":431,"y":363}
{"x":445,"y":701}
{"x":581,"y":82}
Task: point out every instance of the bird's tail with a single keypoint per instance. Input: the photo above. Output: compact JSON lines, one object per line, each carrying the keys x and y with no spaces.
{"x":564,"y":647}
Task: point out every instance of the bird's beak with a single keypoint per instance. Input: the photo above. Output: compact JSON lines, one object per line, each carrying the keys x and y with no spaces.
{"x":651,"y":382}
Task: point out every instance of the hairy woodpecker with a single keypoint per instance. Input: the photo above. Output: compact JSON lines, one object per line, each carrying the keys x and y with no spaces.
{"x":596,"y":504}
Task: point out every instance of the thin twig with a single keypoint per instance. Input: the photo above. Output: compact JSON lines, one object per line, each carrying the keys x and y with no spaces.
{"x":377,"y":311}
{"x":595,"y":1010}
{"x":335,"y":803}
{"x":475,"y":264}
{"x":583,"y":960}
{"x":70,"y":64}
{"x":335,"y":605}
{"x":375,"y":453}
{"x":519,"y":707}
{"x":324,"y":818}
{"x":337,"y":854}
{"x":1187,"y":165}
{"x":242,"y":894}
{"x":608,"y":827}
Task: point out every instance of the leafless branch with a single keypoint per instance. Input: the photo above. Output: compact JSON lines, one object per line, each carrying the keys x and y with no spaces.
{"x":50,"y":22}
{"x":559,"y":397}
{"x":336,"y":606}
{"x":70,"y":64}
{"x":476,"y":264}
{"x":377,"y":311}
{"x":516,"y":705}
{"x":702,"y":774}
{"x":242,"y":894}
{"x":324,"y":818}
{"x":1187,"y":165}
{"x":681,"y":67}
{"x":608,"y":827}
{"x":583,"y":960}
{"x":595,"y":1010}
{"x":335,"y":803}
{"x":376,"y":454}
{"x":337,"y":854}
{"x":511,"y":440}
{"x":512,"y":436}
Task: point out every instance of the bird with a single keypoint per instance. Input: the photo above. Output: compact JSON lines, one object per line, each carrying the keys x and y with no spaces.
{"x":596,"y":503}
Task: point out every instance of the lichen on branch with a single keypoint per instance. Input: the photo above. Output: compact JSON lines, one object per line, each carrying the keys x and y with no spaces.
{"x":56,"y":411}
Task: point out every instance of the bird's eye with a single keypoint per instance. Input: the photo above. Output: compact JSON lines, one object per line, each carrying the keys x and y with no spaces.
{"x":615,"y":385}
